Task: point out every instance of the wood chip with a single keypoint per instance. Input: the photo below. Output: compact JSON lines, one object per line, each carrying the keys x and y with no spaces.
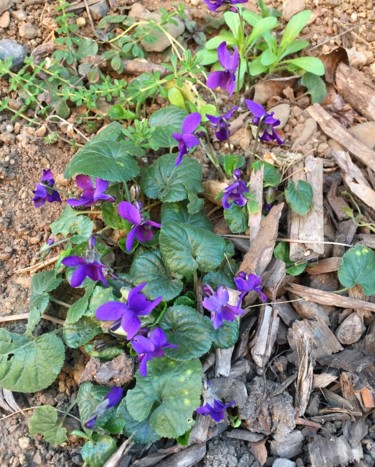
{"x":304,"y":374}
{"x":323,"y":380}
{"x":186,"y":458}
{"x":289,"y":446}
{"x":265,"y":338}
{"x":324,"y":266}
{"x":351,"y":360}
{"x":309,"y":228}
{"x":244,"y":435}
{"x":333,"y":451}
{"x":337,"y":132}
{"x":259,"y":451}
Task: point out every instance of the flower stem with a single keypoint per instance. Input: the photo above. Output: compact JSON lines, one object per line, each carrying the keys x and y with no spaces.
{"x":59,"y":302}
{"x":253,"y":154}
{"x":212,"y":156}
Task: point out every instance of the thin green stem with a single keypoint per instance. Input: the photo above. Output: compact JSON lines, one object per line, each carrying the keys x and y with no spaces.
{"x":212,"y":157}
{"x":59,"y":302}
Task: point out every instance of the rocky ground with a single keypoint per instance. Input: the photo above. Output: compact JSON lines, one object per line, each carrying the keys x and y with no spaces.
{"x":23,"y":155}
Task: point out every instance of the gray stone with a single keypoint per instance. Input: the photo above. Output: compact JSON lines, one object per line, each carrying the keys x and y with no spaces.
{"x":282,"y":112}
{"x":292,"y":7}
{"x":24,"y":442}
{"x":365,"y":132}
{"x":28,"y":31}
{"x":283,"y":463}
{"x":99,"y":10}
{"x":309,"y":128}
{"x":5,"y":5}
{"x":161,"y":40}
{"x":5,"y":20}
{"x":12,"y":49}
{"x":19,"y":15}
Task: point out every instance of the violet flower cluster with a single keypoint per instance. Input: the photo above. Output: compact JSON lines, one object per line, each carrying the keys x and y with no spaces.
{"x":91,"y":193}
{"x":226,"y":78}
{"x":113,"y":397}
{"x":235,"y":193}
{"x":44,"y":191}
{"x":219,"y":5}
{"x":216,"y":409}
{"x":127,"y":316}
{"x":265,"y":121}
{"x":187,"y":140}
{"x":141,"y":229}
{"x":220,"y":124}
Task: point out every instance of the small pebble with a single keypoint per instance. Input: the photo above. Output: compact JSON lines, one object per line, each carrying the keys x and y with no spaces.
{"x":24,"y":442}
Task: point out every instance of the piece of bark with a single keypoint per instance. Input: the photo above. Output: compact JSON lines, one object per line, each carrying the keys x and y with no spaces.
{"x":265,"y":337}
{"x":323,"y":380}
{"x":118,"y":456}
{"x":332,"y":417}
{"x":337,"y":203}
{"x":285,"y":311}
{"x":259,"y":451}
{"x":350,"y":330}
{"x":7,"y":401}
{"x":199,"y":433}
{"x":333,"y":451}
{"x":304,"y":374}
{"x":240,"y":369}
{"x":356,"y":89}
{"x":367,"y":240}
{"x":324,"y":266}
{"x":229,"y":389}
{"x":310,"y":310}
{"x":369,"y":343}
{"x":336,"y":401}
{"x":355,"y":431}
{"x":311,"y":226}
{"x":274,"y":278}
{"x":244,"y":435}
{"x":288,"y":447}
{"x":331,"y":61}
{"x":367,"y":398}
{"x":323,"y":341}
{"x":246,"y":326}
{"x":156,"y":457}
{"x":348,"y":168}
{"x":187,"y":457}
{"x":352,"y":360}
{"x":261,"y":249}
{"x":347,"y":390}
{"x":138,"y":66}
{"x":256,"y":189}
{"x":345,"y":234}
{"x":337,"y":132}
{"x":328,"y":298}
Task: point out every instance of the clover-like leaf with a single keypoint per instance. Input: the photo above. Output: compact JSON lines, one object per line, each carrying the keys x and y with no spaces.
{"x":167,"y":182}
{"x":186,"y":248}
{"x":178,"y":212}
{"x":149,"y":267}
{"x":300,"y":197}
{"x":80,"y":332}
{"x":357,"y":268}
{"x":45,"y":422}
{"x":189,"y":330}
{"x":41,"y":284}
{"x":97,"y":452}
{"x":71,"y":223}
{"x":29,"y":364}
{"x":168,"y":395}
{"x":109,"y":160}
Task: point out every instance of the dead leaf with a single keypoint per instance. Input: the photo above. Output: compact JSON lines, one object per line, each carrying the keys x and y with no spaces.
{"x":331,"y":61}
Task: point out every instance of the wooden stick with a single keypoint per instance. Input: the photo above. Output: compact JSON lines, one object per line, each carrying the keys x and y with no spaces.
{"x":7,"y":319}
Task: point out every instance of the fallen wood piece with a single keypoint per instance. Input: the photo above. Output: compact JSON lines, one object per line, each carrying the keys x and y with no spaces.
{"x":337,"y":203}
{"x":155,"y":457}
{"x":333,"y":451}
{"x":288,"y":446}
{"x":265,"y":338}
{"x":244,"y":435}
{"x":337,"y":132}
{"x":347,"y":390}
{"x":261,"y":248}
{"x":310,"y":227}
{"x":367,"y":240}
{"x":304,"y":375}
{"x":348,"y":168}
{"x":274,"y":278}
{"x":345,"y":234}
{"x":199,"y":433}
{"x":256,"y":189}
{"x":7,"y":401}
{"x":323,"y":380}
{"x":329,"y":298}
{"x":336,"y":401}
{"x":324,"y":265}
{"x":332,"y":417}
{"x":285,"y":311}
{"x":259,"y":451}
{"x":351,"y":360}
{"x":309,"y":310}
{"x":117,"y":457}
{"x":187,"y":457}
{"x":323,"y":341}
{"x":356,"y":89}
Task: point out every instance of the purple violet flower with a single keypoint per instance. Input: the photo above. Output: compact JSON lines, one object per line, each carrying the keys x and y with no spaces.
{"x":150,"y":347}
{"x":235,"y":192}
{"x":141,"y":229}
{"x":225,"y":79}
{"x":215,"y":411}
{"x":44,"y":190}
{"x":265,"y":120}
{"x":187,"y":140}
{"x":113,"y":397}
{"x":217,"y":304}
{"x":220,"y":124}
{"x":91,"y":194}
{"x":249,"y":283}
{"x":127,"y":314}
{"x":214,"y":5}
{"x":90,"y":266}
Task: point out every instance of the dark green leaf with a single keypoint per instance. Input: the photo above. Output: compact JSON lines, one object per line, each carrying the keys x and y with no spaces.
{"x":79,"y":308}
{"x":96,"y":453}
{"x":300,"y":197}
{"x":88,"y":398}
{"x":357,"y":268}
{"x":45,"y":422}
{"x":186,"y":248}
{"x":29,"y":364}
{"x":163,"y":138}
{"x":169,"y":394}
{"x":225,"y":336}
{"x":271,"y":175}
{"x":315,"y":87}
{"x":41,"y":284}
{"x":310,"y":64}
{"x":170,"y":116}
{"x":177,"y":212}
{"x":80,"y":332}
{"x":189,"y":330}
{"x":112,"y":218}
{"x":100,"y":295}
{"x":141,"y":432}
{"x":217,"y":278}
{"x":86,"y":47}
{"x":150,"y":268}
{"x":107,"y":160}
{"x":236,"y":218}
{"x":164,"y":181}
{"x":80,"y":227}
{"x":230,"y":162}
